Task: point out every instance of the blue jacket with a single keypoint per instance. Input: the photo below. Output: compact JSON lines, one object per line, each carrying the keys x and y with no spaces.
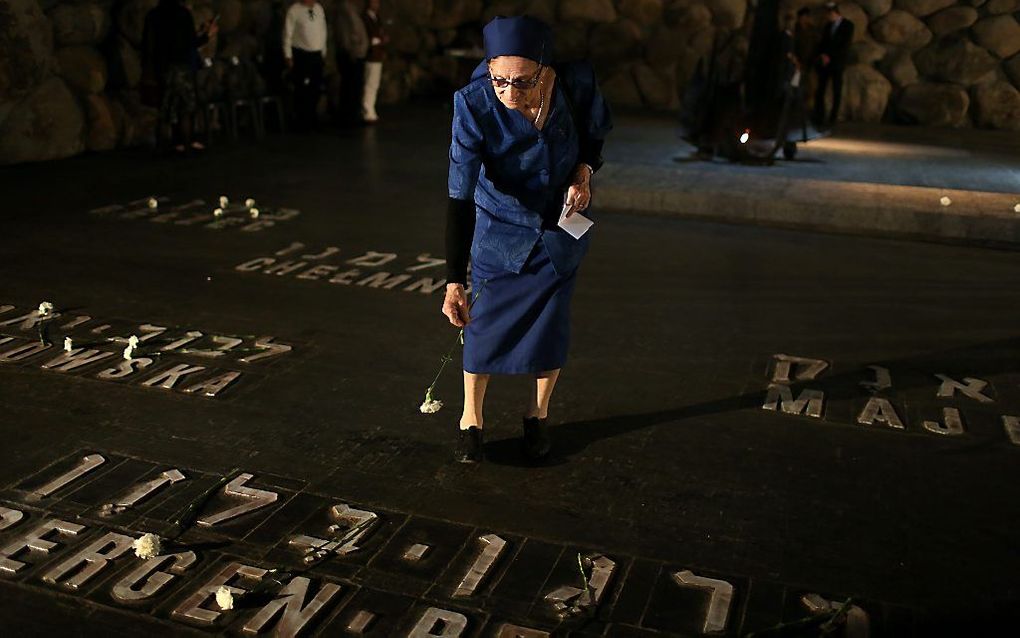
{"x":518,"y":175}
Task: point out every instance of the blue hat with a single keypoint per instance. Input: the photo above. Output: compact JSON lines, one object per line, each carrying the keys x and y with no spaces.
{"x":523,"y":36}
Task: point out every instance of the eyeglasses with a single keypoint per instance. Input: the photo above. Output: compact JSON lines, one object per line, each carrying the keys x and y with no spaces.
{"x":518,"y":83}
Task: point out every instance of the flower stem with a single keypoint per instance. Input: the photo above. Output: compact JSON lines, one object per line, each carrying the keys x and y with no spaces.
{"x":190,"y":513}
{"x":448,"y":357}
{"x":585,"y":583}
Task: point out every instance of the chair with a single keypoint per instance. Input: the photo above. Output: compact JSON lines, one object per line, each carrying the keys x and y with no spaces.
{"x":276,"y":102}
{"x":236,"y":107}
{"x":210,"y":112}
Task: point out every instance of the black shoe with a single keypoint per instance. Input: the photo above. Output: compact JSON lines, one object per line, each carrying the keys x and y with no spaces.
{"x":537,"y":443}
{"x":469,"y":445}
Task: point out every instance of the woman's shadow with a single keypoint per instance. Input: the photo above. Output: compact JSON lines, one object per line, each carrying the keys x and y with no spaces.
{"x":570,"y":439}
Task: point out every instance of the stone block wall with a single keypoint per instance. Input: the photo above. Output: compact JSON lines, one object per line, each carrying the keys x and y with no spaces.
{"x":69,"y":71}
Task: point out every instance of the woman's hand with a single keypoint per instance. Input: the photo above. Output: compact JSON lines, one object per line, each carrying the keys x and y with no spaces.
{"x":455,"y":305}
{"x":579,"y":193}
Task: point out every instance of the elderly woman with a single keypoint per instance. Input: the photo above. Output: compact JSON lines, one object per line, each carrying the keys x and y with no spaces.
{"x":527,"y":138}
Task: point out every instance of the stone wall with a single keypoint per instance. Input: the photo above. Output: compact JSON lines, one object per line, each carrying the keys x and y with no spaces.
{"x":69,"y":71}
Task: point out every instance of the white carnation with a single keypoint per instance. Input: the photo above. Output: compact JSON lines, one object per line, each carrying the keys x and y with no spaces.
{"x":224,"y":201}
{"x":224,"y":598}
{"x":153,"y":202}
{"x":147,"y":546}
{"x":1016,"y":209}
{"x":129,"y":351}
{"x":945,"y":201}
{"x":68,"y":345}
{"x":254,"y":213}
{"x":430,"y":406}
{"x":249,"y":203}
{"x":218,"y":212}
{"x":45,"y":308}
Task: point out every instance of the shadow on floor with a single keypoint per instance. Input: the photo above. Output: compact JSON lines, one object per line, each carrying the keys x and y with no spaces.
{"x":1001,"y":356}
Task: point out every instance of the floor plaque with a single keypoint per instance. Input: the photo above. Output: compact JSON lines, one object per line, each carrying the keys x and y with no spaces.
{"x":248,"y":553}
{"x":182,"y":360}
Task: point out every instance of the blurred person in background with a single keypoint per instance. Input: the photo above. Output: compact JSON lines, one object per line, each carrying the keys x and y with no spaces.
{"x":805,"y":38}
{"x":170,"y":59}
{"x":837,"y":35}
{"x":304,"y":49}
{"x":352,"y":46}
{"x":377,"y":40}
{"x":273,"y":64}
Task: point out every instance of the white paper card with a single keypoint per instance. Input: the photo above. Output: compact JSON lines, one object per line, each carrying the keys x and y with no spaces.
{"x":576,"y":225}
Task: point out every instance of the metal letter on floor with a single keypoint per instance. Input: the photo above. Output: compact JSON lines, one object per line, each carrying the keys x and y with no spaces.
{"x":87,"y":464}
{"x":492,"y":548}
{"x":295,"y":613}
{"x":450,"y":624}
{"x":254,"y":499}
{"x":720,"y":599}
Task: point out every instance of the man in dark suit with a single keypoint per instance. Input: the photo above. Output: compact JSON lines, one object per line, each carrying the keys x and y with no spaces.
{"x":837,"y":35}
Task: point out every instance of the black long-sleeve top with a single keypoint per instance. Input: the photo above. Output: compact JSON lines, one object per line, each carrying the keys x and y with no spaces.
{"x":169,"y":38}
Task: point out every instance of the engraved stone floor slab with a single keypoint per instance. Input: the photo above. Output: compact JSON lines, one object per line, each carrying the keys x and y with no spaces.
{"x":749,"y":418}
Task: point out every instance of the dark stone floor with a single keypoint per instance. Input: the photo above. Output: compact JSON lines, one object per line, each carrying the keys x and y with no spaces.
{"x":665,"y":459}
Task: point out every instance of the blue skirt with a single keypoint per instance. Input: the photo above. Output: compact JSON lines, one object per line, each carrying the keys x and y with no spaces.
{"x":520,"y":322}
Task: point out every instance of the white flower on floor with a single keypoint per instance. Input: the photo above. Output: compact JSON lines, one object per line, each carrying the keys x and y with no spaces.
{"x":249,"y":203}
{"x":147,"y":546}
{"x":68,"y":345}
{"x":153,"y":202}
{"x":254,"y":213}
{"x":45,"y":308}
{"x":129,"y":351}
{"x":945,"y":201}
{"x":224,"y":598}
{"x":218,"y":212}
{"x":430,"y":405}
{"x":1016,"y":209}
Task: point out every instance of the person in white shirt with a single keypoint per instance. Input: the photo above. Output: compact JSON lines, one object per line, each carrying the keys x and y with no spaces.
{"x":304,"y":49}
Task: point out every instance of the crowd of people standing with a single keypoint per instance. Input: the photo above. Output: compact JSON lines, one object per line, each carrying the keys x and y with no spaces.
{"x":361,"y":39}
{"x":173,"y":65}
